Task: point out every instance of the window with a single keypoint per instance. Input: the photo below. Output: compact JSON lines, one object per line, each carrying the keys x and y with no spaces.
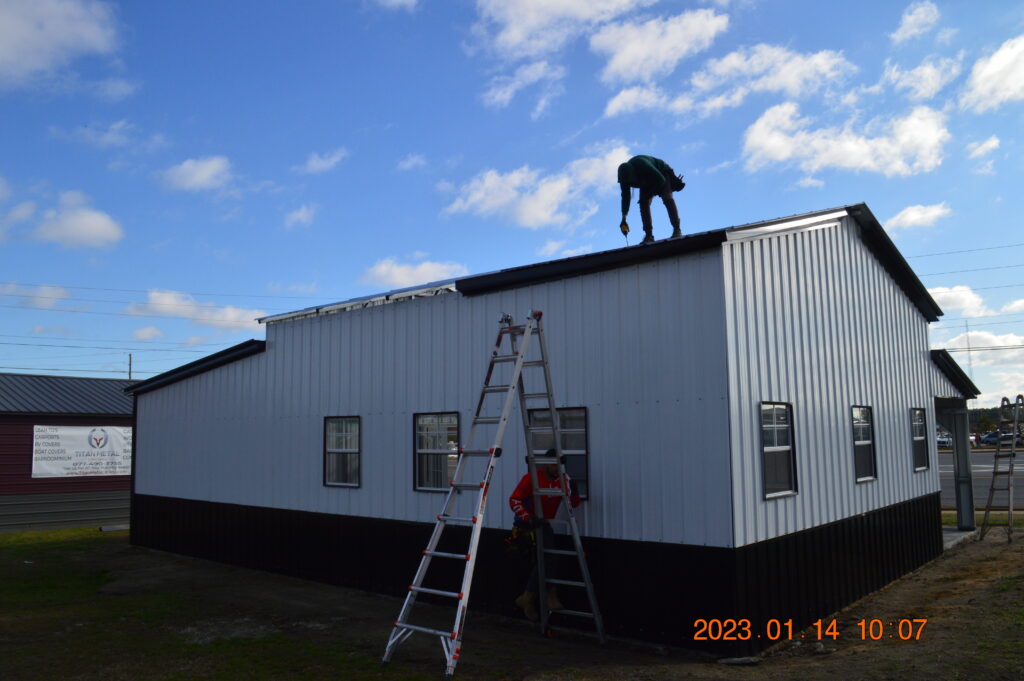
{"x":863,"y":444}
{"x":572,"y":422}
{"x":436,"y":445}
{"x":918,"y":439}
{"x":341,"y":451}
{"x":777,"y":451}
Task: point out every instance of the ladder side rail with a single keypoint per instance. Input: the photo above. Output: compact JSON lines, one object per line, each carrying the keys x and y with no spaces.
{"x":986,"y":524}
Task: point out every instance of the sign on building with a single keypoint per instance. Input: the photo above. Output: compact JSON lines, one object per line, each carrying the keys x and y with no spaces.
{"x":77,"y":451}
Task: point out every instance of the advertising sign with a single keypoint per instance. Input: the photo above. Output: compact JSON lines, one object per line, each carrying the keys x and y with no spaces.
{"x":77,"y":451}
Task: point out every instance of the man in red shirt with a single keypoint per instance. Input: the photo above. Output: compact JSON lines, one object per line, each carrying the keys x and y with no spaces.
{"x":521,"y":502}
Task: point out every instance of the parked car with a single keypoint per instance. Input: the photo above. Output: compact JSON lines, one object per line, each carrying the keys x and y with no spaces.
{"x":1005,"y":439}
{"x":944,"y":441}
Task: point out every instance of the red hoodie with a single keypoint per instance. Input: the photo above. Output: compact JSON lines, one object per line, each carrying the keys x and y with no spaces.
{"x":521,"y":500}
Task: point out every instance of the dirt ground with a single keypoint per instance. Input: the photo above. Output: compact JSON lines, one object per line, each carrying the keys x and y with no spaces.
{"x":99,"y":608}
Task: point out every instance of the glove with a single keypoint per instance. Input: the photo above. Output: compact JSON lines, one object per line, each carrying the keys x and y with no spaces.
{"x":536,"y":522}
{"x":624,"y":227}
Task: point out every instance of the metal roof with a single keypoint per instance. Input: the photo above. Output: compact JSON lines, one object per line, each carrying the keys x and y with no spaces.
{"x":961,"y":381}
{"x":871,"y":233}
{"x":32,"y":394}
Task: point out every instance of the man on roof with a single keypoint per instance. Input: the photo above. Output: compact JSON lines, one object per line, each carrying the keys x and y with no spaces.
{"x":653,"y":177}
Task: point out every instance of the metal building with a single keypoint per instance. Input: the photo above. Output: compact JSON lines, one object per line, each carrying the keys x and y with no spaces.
{"x":748,"y":410}
{"x":41,"y":490}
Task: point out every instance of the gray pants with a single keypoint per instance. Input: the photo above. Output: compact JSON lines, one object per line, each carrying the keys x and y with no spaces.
{"x":647,"y":196}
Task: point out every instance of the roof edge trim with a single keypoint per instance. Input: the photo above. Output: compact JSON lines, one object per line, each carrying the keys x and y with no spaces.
{"x":218,"y":359}
{"x":960,"y":380}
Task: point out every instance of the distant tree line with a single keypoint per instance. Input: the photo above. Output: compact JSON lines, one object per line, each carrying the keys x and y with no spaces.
{"x":985,"y":420}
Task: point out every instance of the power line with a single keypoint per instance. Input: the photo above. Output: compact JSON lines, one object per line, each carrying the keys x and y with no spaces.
{"x":113,"y":340}
{"x":979,"y":269}
{"x":101,"y":347}
{"x":126,"y":314}
{"x":966,"y":250}
{"x":120,"y":302}
{"x":990,"y":347}
{"x":168,"y":290}
{"x":95,"y":371}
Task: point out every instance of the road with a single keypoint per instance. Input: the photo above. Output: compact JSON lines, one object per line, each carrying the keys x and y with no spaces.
{"x":981,"y":464}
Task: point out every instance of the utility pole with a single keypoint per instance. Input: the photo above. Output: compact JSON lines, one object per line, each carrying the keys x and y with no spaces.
{"x":129,"y":366}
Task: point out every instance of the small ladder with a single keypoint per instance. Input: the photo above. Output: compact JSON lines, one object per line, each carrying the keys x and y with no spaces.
{"x":1000,"y":474}
{"x":451,"y":640}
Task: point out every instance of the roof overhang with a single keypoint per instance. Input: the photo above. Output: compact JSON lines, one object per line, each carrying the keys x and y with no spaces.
{"x":961,"y":381}
{"x":218,"y":359}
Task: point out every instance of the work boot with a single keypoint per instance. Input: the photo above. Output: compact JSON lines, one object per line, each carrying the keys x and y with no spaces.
{"x":648,"y":238}
{"x":553,"y":602}
{"x":676,"y":233}
{"x":528,"y":602}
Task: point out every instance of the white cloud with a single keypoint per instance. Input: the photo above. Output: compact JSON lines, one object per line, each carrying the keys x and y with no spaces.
{"x":39,"y":37}
{"x":569,"y":252}
{"x":117,"y":134}
{"x":646,"y":97}
{"x":649,"y":50}
{"x":987,"y":339}
{"x":393,"y":274}
{"x":115,"y":89}
{"x":924,"y":81}
{"x":530,"y":28}
{"x":767,"y":68}
{"x":979,"y":149}
{"x":1015,"y":307}
{"x":412,"y":161}
{"x":147,"y":333}
{"x":996,"y":79}
{"x":534,"y":200}
{"x":316,"y":164}
{"x":961,"y":298}
{"x":22,"y":212}
{"x":183,"y":305}
{"x":918,"y":216}
{"x":199,"y":174}
{"x":73,"y":224}
{"x":43,"y":297}
{"x":549,"y":248}
{"x":810,"y":182}
{"x":907,"y":146}
{"x":918,"y":19}
{"x":397,"y":4}
{"x":303,"y":215}
{"x":503,"y":88}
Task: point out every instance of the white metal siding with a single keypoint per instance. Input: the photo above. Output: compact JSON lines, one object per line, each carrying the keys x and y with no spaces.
{"x":641,"y":347}
{"x":814,"y":319}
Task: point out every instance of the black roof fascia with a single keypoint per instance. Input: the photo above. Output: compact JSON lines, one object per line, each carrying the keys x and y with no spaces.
{"x":586,"y":264}
{"x":882,"y":247}
{"x":961,"y":381}
{"x":218,"y":359}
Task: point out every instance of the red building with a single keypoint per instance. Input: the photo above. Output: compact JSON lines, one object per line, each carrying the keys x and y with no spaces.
{"x":62,"y":451}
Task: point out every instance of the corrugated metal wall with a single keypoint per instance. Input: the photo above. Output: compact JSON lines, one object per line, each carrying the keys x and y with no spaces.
{"x":814,"y":320}
{"x":641,"y":347}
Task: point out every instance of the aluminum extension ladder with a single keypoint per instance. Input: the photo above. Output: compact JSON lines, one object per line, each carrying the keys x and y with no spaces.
{"x":999,"y":473}
{"x":513,"y":390}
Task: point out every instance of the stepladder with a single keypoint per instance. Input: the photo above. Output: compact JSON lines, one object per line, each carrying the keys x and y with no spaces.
{"x":518,"y":349}
{"x":1000,"y":492}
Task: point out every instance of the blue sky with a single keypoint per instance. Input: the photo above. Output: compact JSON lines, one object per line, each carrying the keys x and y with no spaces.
{"x":170,"y":171}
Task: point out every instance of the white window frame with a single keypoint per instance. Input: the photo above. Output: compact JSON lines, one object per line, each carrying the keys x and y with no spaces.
{"x":582,"y":484}
{"x":919,"y":440}
{"x":775,"y":449}
{"x":357,"y":452}
{"x":443,"y":461}
{"x":862,"y":443}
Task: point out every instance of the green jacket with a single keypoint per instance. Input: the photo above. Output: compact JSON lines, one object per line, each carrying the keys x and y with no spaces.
{"x":643,"y":172}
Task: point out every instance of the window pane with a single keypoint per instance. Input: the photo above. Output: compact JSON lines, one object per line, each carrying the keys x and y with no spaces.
{"x":432,"y":470}
{"x":920,"y":453}
{"x":572,"y":418}
{"x":343,"y":468}
{"x":917,"y":423}
{"x":573,"y":423}
{"x":574,"y":441}
{"x":436,"y":436}
{"x":343,"y":433}
{"x":768,"y":437}
{"x":865,"y":460}
{"x":778,"y":473}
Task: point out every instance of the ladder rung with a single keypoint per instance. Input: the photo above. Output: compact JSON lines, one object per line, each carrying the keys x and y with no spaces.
{"x":514,"y":329}
{"x":998,"y":508}
{"x":1001,"y":472}
{"x":487,"y":420}
{"x":442,"y":554}
{"x":536,"y":396}
{"x":545,"y":460}
{"x":496,"y":389}
{"x":575,"y":613}
{"x":456,"y":520}
{"x":425,"y":630}
{"x":565,"y":582}
{"x":476,"y":452}
{"x":548,"y":491}
{"x":466,"y":485}
{"x":504,"y":358}
{"x":560,"y":552}
{"x":540,"y":428}
{"x":1004,"y":455}
{"x":437,"y":592}
{"x":534,"y":363}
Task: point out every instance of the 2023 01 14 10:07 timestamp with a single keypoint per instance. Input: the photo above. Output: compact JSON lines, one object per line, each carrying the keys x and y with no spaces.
{"x":905,"y":629}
